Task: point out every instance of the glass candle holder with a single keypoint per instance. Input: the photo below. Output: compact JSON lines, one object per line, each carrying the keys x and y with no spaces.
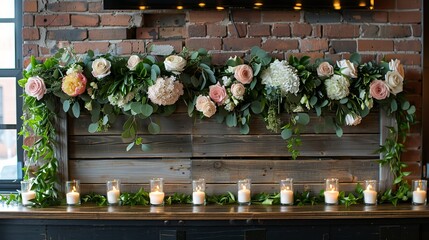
{"x":331,"y":191}
{"x":113,"y":191}
{"x":370,"y":192}
{"x":156,"y":194}
{"x":286,"y":191}
{"x":244,"y":187}
{"x":26,"y":193}
{"x":199,"y":192}
{"x":73,"y":192}
{"x":419,"y":192}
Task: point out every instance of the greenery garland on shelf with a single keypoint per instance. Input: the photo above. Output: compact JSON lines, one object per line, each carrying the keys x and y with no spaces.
{"x":139,"y":86}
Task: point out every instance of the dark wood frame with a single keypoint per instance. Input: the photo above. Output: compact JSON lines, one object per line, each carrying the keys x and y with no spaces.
{"x":425,"y":97}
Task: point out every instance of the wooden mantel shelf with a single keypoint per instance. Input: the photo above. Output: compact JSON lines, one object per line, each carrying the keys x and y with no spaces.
{"x":215,"y":212}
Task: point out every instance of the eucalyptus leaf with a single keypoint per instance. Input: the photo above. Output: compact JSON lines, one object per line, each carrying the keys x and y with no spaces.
{"x":393,"y":105}
{"x":344,"y":100}
{"x":231,"y":120}
{"x":130,"y":146}
{"x":256,"y":107}
{"x":136,"y":107}
{"x":286,"y":133}
{"x":411,"y":110}
{"x":93,"y":127}
{"x":146,"y":109}
{"x":76,"y":109}
{"x":405,"y":105}
{"x":146,"y":147}
{"x":66,"y":105}
{"x":339,"y":131}
{"x":154,"y":128}
{"x":244,"y":129}
{"x":303,"y":118}
{"x":105,"y":119}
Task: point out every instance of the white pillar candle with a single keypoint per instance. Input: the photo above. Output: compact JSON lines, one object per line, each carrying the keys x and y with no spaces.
{"x":156,"y":198}
{"x":419,"y":196}
{"x":244,"y":195}
{"x":27,"y":197}
{"x":113,"y":196}
{"x":73,"y":198}
{"x":286,"y":196}
{"x":331,"y":197}
{"x":370,"y":196}
{"x":198,"y":197}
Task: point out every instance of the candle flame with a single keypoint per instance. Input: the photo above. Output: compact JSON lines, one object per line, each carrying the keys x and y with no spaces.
{"x":157,"y":188}
{"x":418,"y":189}
{"x":331,"y":187}
{"x":243,"y":187}
{"x":114,"y":189}
{"x":369,"y":187}
{"x":74,"y":189}
{"x":198,"y":189}
{"x":287,"y":188}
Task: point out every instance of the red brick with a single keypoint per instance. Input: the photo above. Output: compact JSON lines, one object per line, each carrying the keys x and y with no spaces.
{"x":409,"y":4}
{"x":375,"y":45}
{"x":384,"y":4}
{"x":115,"y":20}
{"x":405,"y":17}
{"x":196,"y":30}
{"x":30,"y":50}
{"x":63,"y":44}
{"x":83,"y":47}
{"x":67,"y":34}
{"x":280,"y":45}
{"x":280,"y":16}
{"x":124,"y":48}
{"x":177,"y":44}
{"x":28,"y":20}
{"x":30,"y":6}
{"x":370,"y":31}
{"x":84,"y":20}
{"x":138,"y":46}
{"x":237,"y":44}
{"x":147,"y":33}
{"x":53,"y":20}
{"x":95,"y":7}
{"x":338,"y":46}
{"x":301,"y":30}
{"x":207,"y":16}
{"x":246,"y":16}
{"x":170,"y":32}
{"x":408,"y":45}
{"x":340,"y":31}
{"x":207,"y":43}
{"x":278,"y":55}
{"x":406,"y":59}
{"x":395,"y":31}
{"x":68,"y":6}
{"x":413,"y":141}
{"x":259,"y":30}
{"x":45,"y":51}
{"x":216,"y":30}
{"x":311,"y":45}
{"x":281,"y":30}
{"x":317,"y":31}
{"x":417,"y":30}
{"x":107,"y":34}
{"x":240,"y":27}
{"x":352,"y":16}
{"x":221,"y":58}
{"x":29,"y":34}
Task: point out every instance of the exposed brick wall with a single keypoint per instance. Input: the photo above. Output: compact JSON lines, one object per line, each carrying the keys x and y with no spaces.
{"x":393,"y":30}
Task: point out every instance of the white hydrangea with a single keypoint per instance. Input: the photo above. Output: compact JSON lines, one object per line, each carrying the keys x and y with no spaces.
{"x":337,"y":87}
{"x":166,"y":91}
{"x":281,"y":75}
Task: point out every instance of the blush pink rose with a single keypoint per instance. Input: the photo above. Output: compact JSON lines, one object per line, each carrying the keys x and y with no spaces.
{"x":379,"y":89}
{"x":218,"y":93}
{"x":205,"y":105}
{"x":243,"y":73}
{"x":35,"y":87}
{"x":238,"y":90}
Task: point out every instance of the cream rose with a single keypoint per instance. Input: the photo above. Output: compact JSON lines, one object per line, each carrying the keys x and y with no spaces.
{"x":218,"y":93}
{"x":394,"y":81}
{"x":347,"y":68}
{"x":35,"y":87}
{"x":379,"y":90}
{"x":353,"y":119}
{"x":395,"y":65}
{"x":205,"y":105}
{"x":175,"y":64}
{"x":238,"y":90}
{"x":133,"y":61}
{"x":74,"y":84}
{"x":243,"y":73}
{"x":325,"y":70}
{"x":100,"y":68}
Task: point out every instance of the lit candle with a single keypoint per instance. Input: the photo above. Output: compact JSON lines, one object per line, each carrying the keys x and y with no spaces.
{"x":286,"y":196}
{"x":244,"y":195}
{"x":331,"y":191}
{"x":156,"y":198}
{"x":198,"y":191}
{"x":73,"y":197}
{"x":370,"y":193}
{"x":198,"y":198}
{"x":27,"y":197}
{"x":113,"y":195}
{"x":156,"y":195}
{"x":419,"y":192}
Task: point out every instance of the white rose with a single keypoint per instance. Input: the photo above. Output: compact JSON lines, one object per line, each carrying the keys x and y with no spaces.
{"x":133,"y":61}
{"x":325,"y":70}
{"x":394,"y":81}
{"x":238,"y":90}
{"x":174,"y":64}
{"x":395,"y":65}
{"x":100,"y":68}
{"x":337,"y":87}
{"x":347,"y":68}
{"x":353,"y":119}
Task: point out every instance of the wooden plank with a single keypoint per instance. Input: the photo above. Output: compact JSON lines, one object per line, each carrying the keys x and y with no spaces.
{"x":130,"y":171}
{"x":269,"y":171}
{"x":108,"y":147}
{"x":171,"y":188}
{"x":320,"y":145}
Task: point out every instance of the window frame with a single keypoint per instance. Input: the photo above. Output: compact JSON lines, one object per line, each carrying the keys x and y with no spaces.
{"x":13,"y":185}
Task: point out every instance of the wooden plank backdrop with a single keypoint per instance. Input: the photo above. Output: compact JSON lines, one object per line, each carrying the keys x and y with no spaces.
{"x":189,"y":148}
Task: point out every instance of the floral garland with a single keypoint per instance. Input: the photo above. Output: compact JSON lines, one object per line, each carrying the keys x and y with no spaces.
{"x":140,"y":86}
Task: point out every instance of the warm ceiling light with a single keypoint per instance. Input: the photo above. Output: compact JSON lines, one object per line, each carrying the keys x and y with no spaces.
{"x":371,"y":4}
{"x":337,"y":5}
{"x":362,"y":3}
{"x":296,"y":7}
{"x":179,"y":7}
{"x":298,"y":4}
{"x":258,"y":4}
{"x":202,"y":4}
{"x":142,"y":7}
{"x":220,"y":8}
